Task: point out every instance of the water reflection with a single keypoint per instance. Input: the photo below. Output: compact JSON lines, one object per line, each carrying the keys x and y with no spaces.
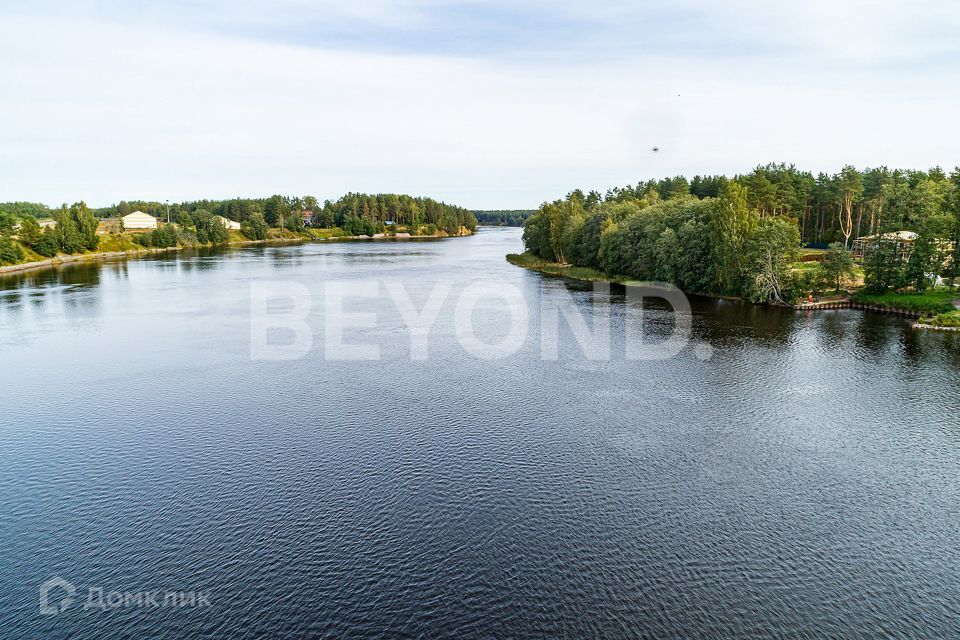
{"x":68,"y":288}
{"x":118,"y":270}
{"x":80,"y":274}
{"x":78,"y":289}
{"x":201,"y":260}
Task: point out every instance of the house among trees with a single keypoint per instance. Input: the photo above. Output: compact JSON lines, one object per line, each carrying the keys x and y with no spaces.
{"x":229,"y":224}
{"x":308,"y":217}
{"x":903,"y":239}
{"x":138,"y":220}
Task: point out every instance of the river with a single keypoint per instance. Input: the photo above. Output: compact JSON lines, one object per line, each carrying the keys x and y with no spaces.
{"x":784,"y":474}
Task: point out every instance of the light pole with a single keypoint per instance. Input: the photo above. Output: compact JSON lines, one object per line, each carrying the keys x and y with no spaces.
{"x":168,"y":212}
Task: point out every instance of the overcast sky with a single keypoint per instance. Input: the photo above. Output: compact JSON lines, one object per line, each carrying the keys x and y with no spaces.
{"x":498,"y":104}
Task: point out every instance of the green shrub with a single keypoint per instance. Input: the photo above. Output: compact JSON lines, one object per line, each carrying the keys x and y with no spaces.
{"x":49,"y":243}
{"x":10,"y":252}
{"x":951,"y":319}
{"x":255,"y":227}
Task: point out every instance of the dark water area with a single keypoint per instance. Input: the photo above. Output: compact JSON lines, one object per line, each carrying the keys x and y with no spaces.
{"x":786,"y":474}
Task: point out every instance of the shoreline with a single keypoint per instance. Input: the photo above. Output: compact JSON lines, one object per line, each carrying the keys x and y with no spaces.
{"x":63,"y":259}
{"x":586,"y":274}
{"x":59,"y":260}
{"x":933,"y":327}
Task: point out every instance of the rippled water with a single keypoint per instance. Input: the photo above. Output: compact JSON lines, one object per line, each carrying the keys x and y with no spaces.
{"x":802,"y":481}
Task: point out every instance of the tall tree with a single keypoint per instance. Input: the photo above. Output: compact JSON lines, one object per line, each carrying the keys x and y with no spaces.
{"x":851,"y":189}
{"x":30,"y":232}
{"x":769,"y":251}
{"x":732,"y":222}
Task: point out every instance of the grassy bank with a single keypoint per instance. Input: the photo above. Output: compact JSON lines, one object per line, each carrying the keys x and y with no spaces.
{"x":943,"y":320}
{"x":529,"y":261}
{"x":931,"y":302}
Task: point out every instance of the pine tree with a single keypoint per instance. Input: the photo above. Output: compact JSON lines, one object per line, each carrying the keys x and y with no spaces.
{"x":30,"y":231}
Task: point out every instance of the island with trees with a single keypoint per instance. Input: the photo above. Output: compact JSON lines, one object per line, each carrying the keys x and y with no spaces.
{"x":777,"y":235}
{"x":33,"y":234}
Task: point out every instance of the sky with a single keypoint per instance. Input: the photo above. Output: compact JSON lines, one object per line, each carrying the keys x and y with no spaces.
{"x":489,"y":105}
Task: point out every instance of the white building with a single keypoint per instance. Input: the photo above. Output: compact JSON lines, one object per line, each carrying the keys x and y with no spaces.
{"x":902,"y":239}
{"x":229,"y":224}
{"x":138,"y":220}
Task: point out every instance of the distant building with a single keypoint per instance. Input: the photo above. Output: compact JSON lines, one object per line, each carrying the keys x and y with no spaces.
{"x":229,"y":224}
{"x":138,"y":221}
{"x":308,"y":217}
{"x":903,"y":239}
{"x":44,"y":224}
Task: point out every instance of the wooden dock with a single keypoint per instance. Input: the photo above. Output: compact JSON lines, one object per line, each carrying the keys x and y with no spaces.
{"x":820,"y":306}
{"x":847,"y":304}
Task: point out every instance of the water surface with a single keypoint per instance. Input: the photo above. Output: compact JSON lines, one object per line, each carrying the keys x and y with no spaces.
{"x":801,"y":482}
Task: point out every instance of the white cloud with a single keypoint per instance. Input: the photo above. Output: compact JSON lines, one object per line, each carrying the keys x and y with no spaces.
{"x":108,"y":109}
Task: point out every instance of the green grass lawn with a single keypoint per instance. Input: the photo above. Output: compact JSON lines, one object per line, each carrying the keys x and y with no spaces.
{"x":812,"y":255}
{"x":29,"y":255}
{"x":323,"y":234}
{"x":933,"y":302}
{"x":117,"y":242}
{"x":804,"y":266}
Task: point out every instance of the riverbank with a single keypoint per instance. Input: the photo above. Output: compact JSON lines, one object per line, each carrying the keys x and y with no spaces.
{"x":236,"y":239}
{"x":949,"y":321}
{"x":935,"y":327}
{"x":932,"y":302}
{"x":937,"y":303}
{"x":81,"y":257}
{"x":529,"y":261}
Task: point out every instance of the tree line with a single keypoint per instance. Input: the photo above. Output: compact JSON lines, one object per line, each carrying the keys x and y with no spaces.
{"x":738,"y":236}
{"x":75,"y":231}
{"x":503,"y":218}
{"x":356,"y":213}
{"x":828,"y":207}
{"x":359,"y":213}
{"x":196,"y":222}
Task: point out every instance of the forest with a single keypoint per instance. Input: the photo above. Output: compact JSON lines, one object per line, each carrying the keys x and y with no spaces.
{"x":503,"y":218}
{"x":196,"y":222}
{"x":356,"y":213}
{"x":738,"y":236}
{"x":376,"y":210}
{"x":359,"y":213}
